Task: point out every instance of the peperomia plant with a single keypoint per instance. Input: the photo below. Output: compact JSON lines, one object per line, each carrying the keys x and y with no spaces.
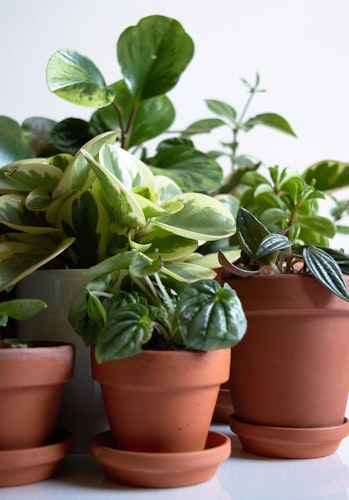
{"x":132,"y":303}
{"x":75,"y":211}
{"x":151,"y":57}
{"x":264,"y":252}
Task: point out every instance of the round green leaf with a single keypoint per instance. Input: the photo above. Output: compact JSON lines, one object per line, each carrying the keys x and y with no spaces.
{"x":75,"y":78}
{"x":153,"y":54}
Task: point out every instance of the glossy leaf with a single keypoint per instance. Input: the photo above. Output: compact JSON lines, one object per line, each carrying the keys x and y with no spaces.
{"x":201,"y":215}
{"x":77,"y":174}
{"x":191,"y":169}
{"x":75,"y":78}
{"x":20,"y":258}
{"x":213,"y":311}
{"x":250,"y":232}
{"x":326,"y":270}
{"x":153,"y":54}
{"x":328,"y":175}
{"x":124,"y":334}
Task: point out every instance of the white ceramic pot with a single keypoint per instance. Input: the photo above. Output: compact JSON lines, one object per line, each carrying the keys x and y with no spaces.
{"x":82,"y":409}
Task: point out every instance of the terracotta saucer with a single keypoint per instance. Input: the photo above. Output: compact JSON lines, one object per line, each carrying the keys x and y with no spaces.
{"x":289,"y":442}
{"x":160,"y":470}
{"x":30,"y":465}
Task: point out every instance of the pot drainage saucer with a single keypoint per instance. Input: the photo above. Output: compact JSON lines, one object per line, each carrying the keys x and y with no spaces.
{"x":30,"y":465}
{"x":160,"y":470}
{"x":289,"y":442}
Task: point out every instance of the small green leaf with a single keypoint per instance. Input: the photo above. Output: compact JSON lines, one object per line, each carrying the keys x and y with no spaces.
{"x":21,"y":309}
{"x":272,"y":120}
{"x":222,"y":108}
{"x":328,"y":175}
{"x":213,"y":311}
{"x":124,"y":334}
{"x":270,"y":245}
{"x":203,"y":126}
{"x":250,"y":232}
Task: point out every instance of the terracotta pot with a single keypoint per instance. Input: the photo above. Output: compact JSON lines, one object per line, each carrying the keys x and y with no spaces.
{"x":82,"y":412}
{"x":31,"y":386}
{"x":291,"y":368}
{"x":162,"y":401}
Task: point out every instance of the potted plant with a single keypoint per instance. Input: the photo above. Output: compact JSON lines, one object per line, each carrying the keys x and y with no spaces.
{"x":160,"y":349}
{"x":289,"y":379}
{"x":73,"y":211}
{"x":32,"y":376}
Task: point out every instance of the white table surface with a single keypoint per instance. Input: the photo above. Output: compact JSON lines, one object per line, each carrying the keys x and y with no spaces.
{"x":243,"y":476}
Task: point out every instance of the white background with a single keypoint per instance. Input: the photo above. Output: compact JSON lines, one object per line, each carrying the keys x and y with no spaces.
{"x":299,"y":47}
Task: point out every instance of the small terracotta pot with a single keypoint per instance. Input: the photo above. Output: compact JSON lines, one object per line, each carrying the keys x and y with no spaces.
{"x":162,"y":401}
{"x":291,"y":368}
{"x":31,"y":386}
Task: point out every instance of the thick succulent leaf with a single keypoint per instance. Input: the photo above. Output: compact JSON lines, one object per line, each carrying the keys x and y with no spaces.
{"x":128,"y":169}
{"x":210,"y":317}
{"x":78,"y":173}
{"x":14,"y":214}
{"x":13,"y":145}
{"x":272,"y":120}
{"x":29,"y":175}
{"x":18,"y":259}
{"x":166,"y":188}
{"x":90,"y":239}
{"x":75,"y":78}
{"x":326,"y":270}
{"x":122,"y":207}
{"x":39,"y":199}
{"x":153,"y":54}
{"x":222,"y":108}
{"x":187,"y":271}
{"x":202,"y":218}
{"x":163,"y":242}
{"x":21,"y":309}
{"x":124,"y":334}
{"x":328,"y":175}
{"x":192,"y":170}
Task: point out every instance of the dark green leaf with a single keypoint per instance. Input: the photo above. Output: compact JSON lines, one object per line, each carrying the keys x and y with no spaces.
{"x":13,"y":145}
{"x":210,"y":317}
{"x":124,"y":334}
{"x":153,"y":54}
{"x":326,"y":270}
{"x":270,"y":244}
{"x":191,"y":169}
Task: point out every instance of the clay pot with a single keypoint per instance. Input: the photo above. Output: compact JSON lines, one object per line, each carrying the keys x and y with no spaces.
{"x":162,"y":401}
{"x":82,"y":411}
{"x":31,"y":386}
{"x":291,"y":368}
